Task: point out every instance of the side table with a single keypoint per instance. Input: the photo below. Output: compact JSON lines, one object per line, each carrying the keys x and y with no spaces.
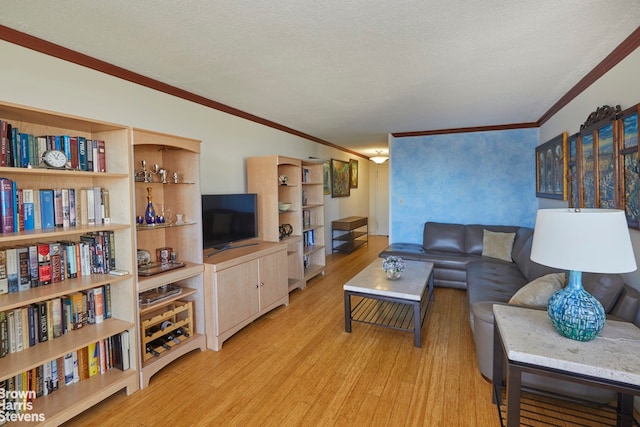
{"x":348,"y":234}
{"x":526,"y":341}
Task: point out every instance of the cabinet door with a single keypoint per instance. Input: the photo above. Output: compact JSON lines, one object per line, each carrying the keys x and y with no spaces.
{"x":273,"y":278}
{"x":237,"y":295}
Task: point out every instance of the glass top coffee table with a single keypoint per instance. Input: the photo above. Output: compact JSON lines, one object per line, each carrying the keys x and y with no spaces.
{"x":398,"y":304}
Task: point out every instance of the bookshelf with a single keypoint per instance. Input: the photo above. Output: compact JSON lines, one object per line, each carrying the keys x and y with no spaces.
{"x":313,"y":219}
{"x":68,"y":401}
{"x":304,"y":260}
{"x":172,"y":195}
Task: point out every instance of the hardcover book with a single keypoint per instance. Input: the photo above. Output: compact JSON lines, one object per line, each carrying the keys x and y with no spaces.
{"x":56,"y":262}
{"x":58,"y":214}
{"x":7,"y":206}
{"x":44,"y":263}
{"x":24,"y":268}
{"x":47,"y":216}
{"x":12,"y":269}
{"x":28,"y":207}
{"x":4,"y":283}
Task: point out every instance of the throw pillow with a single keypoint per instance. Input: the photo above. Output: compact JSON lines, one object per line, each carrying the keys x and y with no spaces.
{"x":497,"y":245}
{"x":536,"y":293}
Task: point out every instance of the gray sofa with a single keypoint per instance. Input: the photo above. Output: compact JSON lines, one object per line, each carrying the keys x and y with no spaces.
{"x":456,"y":252}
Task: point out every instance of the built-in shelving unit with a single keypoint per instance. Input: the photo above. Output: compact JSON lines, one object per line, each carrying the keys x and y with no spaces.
{"x":69,"y":400}
{"x":301,"y":191}
{"x":174,"y":192}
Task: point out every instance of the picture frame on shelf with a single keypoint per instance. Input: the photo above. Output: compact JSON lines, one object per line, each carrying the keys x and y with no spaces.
{"x":353,"y":173}
{"x":551,"y":168}
{"x":340,"y":178}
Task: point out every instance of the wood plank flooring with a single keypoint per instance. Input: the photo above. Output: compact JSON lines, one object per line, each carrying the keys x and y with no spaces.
{"x":297,"y":367}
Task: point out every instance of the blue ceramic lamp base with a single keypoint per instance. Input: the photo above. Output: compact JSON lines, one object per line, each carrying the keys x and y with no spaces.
{"x":574,"y":312}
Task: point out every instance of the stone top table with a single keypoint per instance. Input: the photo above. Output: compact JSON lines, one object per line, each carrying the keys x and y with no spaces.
{"x":530,"y":343}
{"x":413,"y":289}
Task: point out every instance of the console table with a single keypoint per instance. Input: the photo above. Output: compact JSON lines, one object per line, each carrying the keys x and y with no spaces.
{"x":348,"y":234}
{"x":527,"y":341}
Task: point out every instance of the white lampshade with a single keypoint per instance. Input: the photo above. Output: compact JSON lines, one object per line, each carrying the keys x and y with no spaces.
{"x":588,"y":240}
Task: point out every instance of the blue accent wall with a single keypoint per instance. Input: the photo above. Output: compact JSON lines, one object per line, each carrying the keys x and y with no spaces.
{"x":469,"y":178}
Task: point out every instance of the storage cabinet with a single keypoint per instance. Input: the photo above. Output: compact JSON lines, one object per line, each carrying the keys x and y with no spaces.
{"x":174,"y":193}
{"x":241,"y":285}
{"x":348,"y":234}
{"x":68,"y":401}
{"x":303,"y":211}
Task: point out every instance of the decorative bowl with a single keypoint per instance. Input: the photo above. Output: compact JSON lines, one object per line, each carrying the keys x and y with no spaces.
{"x":284,"y":206}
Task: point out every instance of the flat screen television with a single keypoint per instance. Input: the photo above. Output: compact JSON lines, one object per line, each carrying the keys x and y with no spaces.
{"x":228,"y":218}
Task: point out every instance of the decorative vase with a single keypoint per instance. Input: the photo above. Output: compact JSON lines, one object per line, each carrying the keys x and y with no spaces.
{"x":574,"y":312}
{"x":149,"y":213}
{"x":393,"y":274}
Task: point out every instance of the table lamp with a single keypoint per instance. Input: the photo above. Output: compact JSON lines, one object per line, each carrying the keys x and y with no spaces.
{"x":581,"y":240}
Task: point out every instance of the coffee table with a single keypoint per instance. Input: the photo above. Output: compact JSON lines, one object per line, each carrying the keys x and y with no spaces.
{"x":398,"y":304}
{"x":526,"y":341}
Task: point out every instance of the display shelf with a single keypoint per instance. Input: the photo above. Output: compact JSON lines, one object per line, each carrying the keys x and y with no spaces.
{"x":182,"y":156}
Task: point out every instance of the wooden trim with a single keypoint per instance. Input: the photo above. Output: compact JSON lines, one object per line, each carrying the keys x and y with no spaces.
{"x":39,"y":45}
{"x":465,"y":130}
{"x":630,"y":44}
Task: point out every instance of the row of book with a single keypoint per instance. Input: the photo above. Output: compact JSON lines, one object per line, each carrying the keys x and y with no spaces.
{"x":39,"y":264}
{"x":23,"y":150}
{"x":25,"y":209}
{"x":43,"y":321}
{"x":97,"y":358}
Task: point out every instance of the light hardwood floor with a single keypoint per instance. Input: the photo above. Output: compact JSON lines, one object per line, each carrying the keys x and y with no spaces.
{"x":296,"y":366}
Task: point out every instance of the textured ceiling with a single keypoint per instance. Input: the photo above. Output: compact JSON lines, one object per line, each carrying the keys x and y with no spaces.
{"x":348,"y":71}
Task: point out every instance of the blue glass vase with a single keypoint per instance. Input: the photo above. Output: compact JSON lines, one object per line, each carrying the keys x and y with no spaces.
{"x":574,"y":312}
{"x":150,"y":212}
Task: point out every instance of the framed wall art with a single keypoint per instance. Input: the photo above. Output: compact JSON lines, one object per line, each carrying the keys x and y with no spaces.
{"x":353,"y":173}
{"x":551,"y":168}
{"x":326,"y":178}
{"x":340,"y":178}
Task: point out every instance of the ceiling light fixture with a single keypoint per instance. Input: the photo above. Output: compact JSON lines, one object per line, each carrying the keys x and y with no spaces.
{"x":379,"y":158}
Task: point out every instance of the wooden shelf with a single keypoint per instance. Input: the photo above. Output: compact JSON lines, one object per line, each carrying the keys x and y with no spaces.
{"x":181,"y":155}
{"x":16,"y":363}
{"x":51,"y":234}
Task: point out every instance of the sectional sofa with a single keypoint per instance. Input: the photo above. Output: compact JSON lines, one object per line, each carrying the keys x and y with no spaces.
{"x":492,"y":263}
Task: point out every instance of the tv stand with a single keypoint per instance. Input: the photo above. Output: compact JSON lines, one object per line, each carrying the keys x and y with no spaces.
{"x":227,"y":247}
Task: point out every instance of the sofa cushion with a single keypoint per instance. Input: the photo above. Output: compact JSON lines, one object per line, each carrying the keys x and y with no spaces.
{"x":605,"y":287}
{"x":493,"y":280}
{"x":536,"y":293}
{"x":474,"y":234}
{"x":408,"y":251}
{"x":439,"y":236}
{"x":497,"y":245}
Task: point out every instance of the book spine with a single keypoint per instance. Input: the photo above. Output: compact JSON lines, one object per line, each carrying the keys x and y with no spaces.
{"x":56,"y":317}
{"x":33,"y":324}
{"x":33,"y":265}
{"x":12,"y":269}
{"x":24,"y":150}
{"x":97,"y":199}
{"x":57,"y":207}
{"x":33,"y":151}
{"x":44,"y":263}
{"x":82,"y":153}
{"x":24,"y":269}
{"x":75,"y":163}
{"x":47,"y":215}
{"x":15,"y":147}
{"x":56,"y":262}
{"x":7,"y":206}
{"x":19,"y":338}
{"x":28,"y":209}
{"x":73,"y":213}
{"x":4,"y":335}
{"x":66,"y":208}
{"x":4,"y":149}
{"x":4,"y":283}
{"x":102,"y":154}
{"x":43,"y":336}
{"x":91,"y":212}
{"x":90,"y":143}
{"x":98,"y":304}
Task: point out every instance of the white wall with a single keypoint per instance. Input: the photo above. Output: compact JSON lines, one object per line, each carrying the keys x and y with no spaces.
{"x":618,"y":87}
{"x":37,"y":80}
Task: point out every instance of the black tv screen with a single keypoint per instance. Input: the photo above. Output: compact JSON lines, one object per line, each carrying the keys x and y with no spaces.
{"x":228,"y":218}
